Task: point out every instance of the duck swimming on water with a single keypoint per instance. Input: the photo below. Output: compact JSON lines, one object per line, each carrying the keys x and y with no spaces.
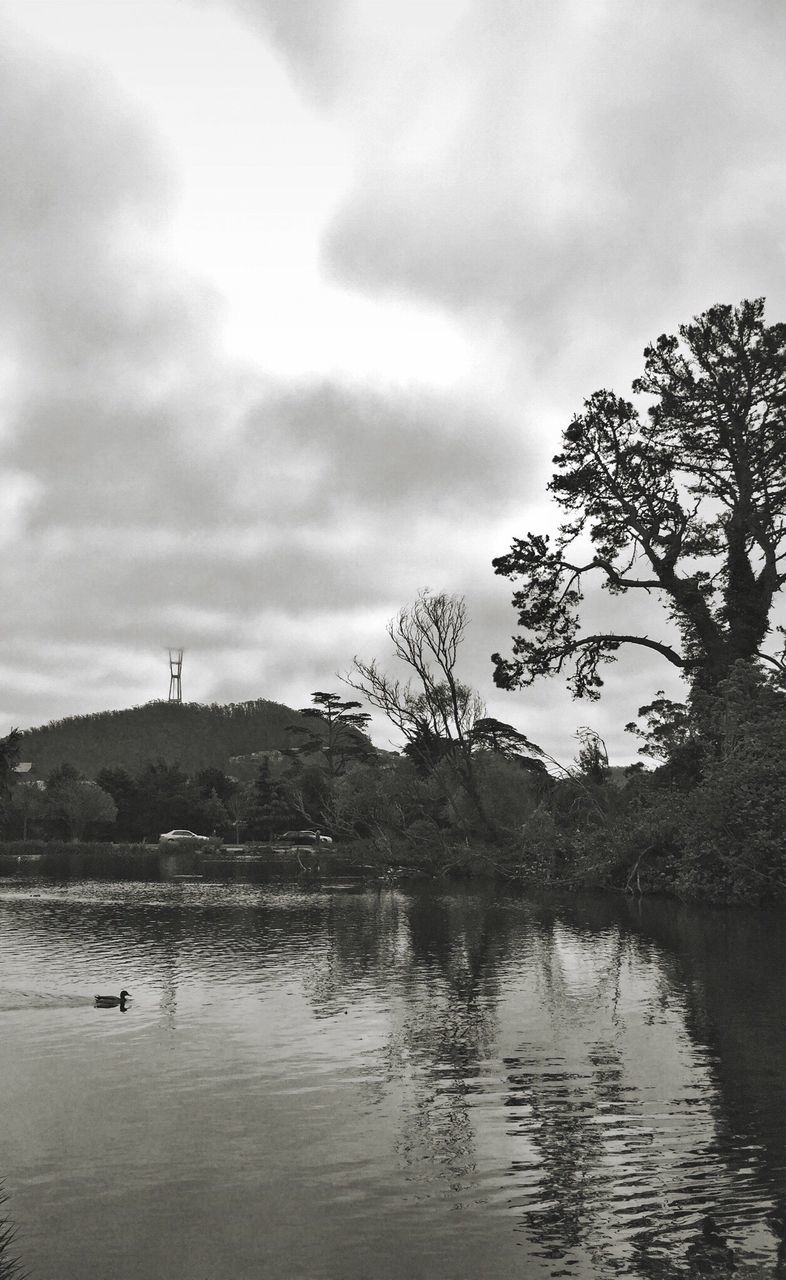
{"x":112,"y":1002}
{"x":710,"y":1255}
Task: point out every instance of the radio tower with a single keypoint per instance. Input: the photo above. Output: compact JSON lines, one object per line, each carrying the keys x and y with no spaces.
{"x":175,"y":668}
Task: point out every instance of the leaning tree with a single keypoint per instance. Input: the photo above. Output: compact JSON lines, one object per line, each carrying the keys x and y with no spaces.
{"x":686,"y":503}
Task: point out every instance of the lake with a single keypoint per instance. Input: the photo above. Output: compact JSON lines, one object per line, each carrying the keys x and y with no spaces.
{"x":436,"y":1083}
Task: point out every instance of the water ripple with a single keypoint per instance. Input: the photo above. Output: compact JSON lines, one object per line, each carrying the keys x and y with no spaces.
{"x":309,"y":1075}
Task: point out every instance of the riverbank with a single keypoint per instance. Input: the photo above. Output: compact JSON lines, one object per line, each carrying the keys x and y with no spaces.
{"x":359,"y":860}
{"x":103,"y":860}
{"x":592,"y":866}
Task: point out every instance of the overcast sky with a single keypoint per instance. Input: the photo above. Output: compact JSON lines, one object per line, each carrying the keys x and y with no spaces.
{"x":297,"y":296}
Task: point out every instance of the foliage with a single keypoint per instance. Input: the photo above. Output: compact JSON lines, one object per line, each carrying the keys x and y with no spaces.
{"x":510,"y":796}
{"x":489,"y":734}
{"x":426,"y":638}
{"x":238,"y":805}
{"x":734,"y":821}
{"x":341,"y":737}
{"x":687,"y":504}
{"x":442,"y":719}
{"x":10,"y":750}
{"x":28,"y":803}
{"x":669,"y":727}
{"x":717,"y":837}
{"x":189,"y":735}
{"x":74,"y":803}
{"x":271,"y":809}
{"x":9,"y":759}
{"x":593,"y":758}
{"x":162,"y":796}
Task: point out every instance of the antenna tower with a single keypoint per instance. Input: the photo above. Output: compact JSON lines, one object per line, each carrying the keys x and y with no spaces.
{"x":175,"y":668}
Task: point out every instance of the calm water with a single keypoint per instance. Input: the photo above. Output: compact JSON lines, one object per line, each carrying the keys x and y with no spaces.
{"x":435,"y":1084}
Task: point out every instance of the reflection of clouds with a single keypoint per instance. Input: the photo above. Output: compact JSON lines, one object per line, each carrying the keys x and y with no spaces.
{"x":584,"y":963}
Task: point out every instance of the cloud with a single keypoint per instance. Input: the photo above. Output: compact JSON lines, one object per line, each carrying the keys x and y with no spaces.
{"x":93,"y":328}
{"x":562,"y":181}
{"x":155,"y":493}
{"x":584,"y":176}
{"x":577,"y":169}
{"x":311,"y":34}
{"x":341,"y":450}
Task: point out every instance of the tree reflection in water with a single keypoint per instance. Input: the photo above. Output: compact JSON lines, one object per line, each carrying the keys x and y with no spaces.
{"x":626,"y":1105}
{"x":11,"y":1267}
{"x":433,"y":962}
{"x":729,"y":969}
{"x":613,"y":1115}
{"x":597,"y":1076}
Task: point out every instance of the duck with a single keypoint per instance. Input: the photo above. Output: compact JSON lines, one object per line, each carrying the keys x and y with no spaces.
{"x":710,"y":1255}
{"x":112,"y":1002}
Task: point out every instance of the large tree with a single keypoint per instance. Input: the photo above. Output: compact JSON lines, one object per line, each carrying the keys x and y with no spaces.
{"x":686,"y":503}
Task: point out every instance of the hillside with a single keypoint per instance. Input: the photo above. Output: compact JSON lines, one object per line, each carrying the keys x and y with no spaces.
{"x":189,"y":734}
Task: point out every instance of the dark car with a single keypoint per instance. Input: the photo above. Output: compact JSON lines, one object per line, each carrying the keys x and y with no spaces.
{"x":304,"y":837}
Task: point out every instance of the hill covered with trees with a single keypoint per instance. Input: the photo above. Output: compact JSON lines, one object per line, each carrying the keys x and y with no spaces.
{"x":190,"y":735}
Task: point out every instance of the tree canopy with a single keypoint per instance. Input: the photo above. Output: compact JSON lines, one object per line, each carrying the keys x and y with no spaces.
{"x":686,"y":503}
{"x":10,"y":748}
{"x":342,"y":732}
{"x":194,"y":736}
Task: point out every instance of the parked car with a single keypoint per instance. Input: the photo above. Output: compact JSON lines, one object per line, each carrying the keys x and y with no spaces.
{"x":180,"y":835}
{"x":304,"y":837}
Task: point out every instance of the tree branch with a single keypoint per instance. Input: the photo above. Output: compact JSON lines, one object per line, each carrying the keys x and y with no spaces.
{"x":667,"y":652}
{"x":619,"y":579}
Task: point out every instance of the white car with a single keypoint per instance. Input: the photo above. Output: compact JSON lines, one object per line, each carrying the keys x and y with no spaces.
{"x":181,"y":835}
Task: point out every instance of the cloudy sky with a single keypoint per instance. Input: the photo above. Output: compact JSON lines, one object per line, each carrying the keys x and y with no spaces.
{"x":297,"y":296}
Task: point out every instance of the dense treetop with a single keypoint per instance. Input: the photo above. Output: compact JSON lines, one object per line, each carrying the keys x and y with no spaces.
{"x":686,"y":503}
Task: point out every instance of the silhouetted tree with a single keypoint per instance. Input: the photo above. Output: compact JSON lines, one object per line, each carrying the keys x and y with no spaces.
{"x":687,"y":504}
{"x":593,"y":758}
{"x":439,"y":709}
{"x":489,"y":734}
{"x":341,"y":736}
